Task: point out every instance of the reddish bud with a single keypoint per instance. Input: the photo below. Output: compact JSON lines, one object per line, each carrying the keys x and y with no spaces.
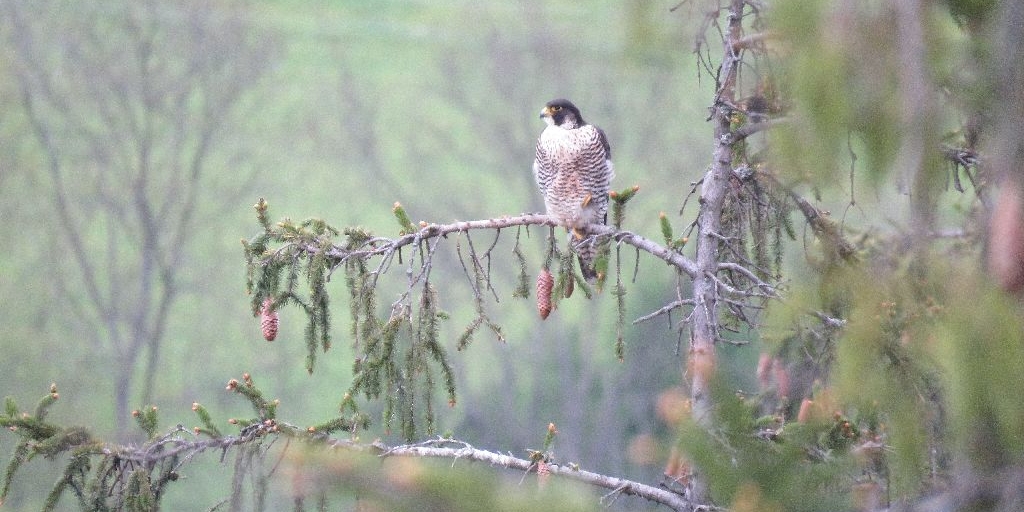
{"x":764,"y":367}
{"x":805,"y":413}
{"x":677,"y":468}
{"x":673,"y":406}
{"x":781,"y":377}
{"x":1006,"y":239}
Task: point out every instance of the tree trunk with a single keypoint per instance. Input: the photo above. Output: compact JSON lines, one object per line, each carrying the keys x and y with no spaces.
{"x":700,"y":364}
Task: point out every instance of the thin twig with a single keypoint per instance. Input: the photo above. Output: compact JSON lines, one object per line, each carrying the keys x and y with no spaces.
{"x":387,"y":247}
{"x":664,"y":310}
{"x":750,"y":129}
{"x":446,"y":448}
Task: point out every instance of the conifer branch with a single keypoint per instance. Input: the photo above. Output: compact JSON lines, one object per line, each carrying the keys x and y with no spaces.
{"x":381,"y":246}
{"x":125,"y":473}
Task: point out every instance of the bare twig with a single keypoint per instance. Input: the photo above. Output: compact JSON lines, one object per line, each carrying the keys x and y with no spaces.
{"x":735,"y":267}
{"x":750,"y":129}
{"x":751,"y":40}
{"x":455,"y":450}
{"x":830,"y":321}
{"x":664,"y":310}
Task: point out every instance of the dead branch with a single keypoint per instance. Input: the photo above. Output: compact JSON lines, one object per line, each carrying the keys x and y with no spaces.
{"x":176,"y":445}
{"x":455,"y":450}
{"x":664,"y":310}
{"x":750,"y":129}
{"x":964,"y":157}
{"x":380,"y":246}
{"x":768,"y":289}
{"x":752,"y":40}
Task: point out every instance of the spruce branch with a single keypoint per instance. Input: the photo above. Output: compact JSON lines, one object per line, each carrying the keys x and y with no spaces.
{"x":399,"y":352}
{"x":522,"y":289}
{"x":137,"y":475}
{"x":146,"y":419}
{"x":620,"y":307}
{"x":378,"y":246}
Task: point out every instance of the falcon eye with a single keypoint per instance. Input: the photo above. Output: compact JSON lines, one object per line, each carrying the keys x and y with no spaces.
{"x":556,"y":108}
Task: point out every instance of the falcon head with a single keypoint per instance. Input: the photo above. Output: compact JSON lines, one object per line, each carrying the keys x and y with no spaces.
{"x":562,"y":113}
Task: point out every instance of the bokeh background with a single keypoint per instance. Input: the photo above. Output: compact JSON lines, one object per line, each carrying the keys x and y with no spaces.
{"x":136,"y":136}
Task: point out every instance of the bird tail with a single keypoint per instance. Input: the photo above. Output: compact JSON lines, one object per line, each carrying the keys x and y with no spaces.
{"x":588,"y":250}
{"x":588,"y":270}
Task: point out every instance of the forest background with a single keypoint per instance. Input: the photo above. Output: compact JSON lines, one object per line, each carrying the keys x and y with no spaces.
{"x":135,"y":138}
{"x":351,"y":107}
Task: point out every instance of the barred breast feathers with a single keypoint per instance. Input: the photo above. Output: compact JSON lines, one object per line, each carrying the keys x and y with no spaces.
{"x":570,"y":166}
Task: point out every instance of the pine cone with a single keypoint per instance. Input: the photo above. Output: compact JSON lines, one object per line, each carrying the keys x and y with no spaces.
{"x":268,"y":320}
{"x":544,"y":284}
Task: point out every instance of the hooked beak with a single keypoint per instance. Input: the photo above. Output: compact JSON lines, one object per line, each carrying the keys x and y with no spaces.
{"x":545,"y":112}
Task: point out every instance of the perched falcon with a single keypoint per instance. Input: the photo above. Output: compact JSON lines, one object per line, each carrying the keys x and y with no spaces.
{"x":574,"y":171}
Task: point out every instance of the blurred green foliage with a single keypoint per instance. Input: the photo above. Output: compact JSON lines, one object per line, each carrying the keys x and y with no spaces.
{"x":907,"y":350}
{"x":376,"y":102}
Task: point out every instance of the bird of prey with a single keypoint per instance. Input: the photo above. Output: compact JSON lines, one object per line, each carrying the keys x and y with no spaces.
{"x":574,"y":171}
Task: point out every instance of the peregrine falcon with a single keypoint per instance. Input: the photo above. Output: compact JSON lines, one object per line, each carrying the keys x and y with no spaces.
{"x":574,"y":171}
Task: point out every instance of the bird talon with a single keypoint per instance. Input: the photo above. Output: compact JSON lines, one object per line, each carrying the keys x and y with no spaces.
{"x":577,"y":234}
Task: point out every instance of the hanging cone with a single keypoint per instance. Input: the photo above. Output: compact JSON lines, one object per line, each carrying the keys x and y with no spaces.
{"x":268,"y":320}
{"x":544,"y":284}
